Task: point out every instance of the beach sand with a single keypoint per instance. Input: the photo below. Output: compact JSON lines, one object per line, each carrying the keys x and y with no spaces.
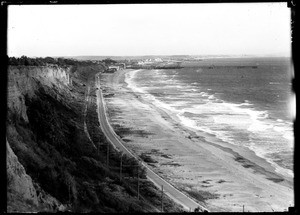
{"x":220,"y":176}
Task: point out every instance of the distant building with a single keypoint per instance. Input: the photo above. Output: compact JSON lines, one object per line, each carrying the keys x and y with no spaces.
{"x":111,"y":70}
{"x":121,"y":65}
{"x":114,"y":67}
{"x":158,"y":60}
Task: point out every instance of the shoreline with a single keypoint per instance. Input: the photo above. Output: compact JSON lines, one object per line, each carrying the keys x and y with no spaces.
{"x":176,"y":117}
{"x":196,"y":162}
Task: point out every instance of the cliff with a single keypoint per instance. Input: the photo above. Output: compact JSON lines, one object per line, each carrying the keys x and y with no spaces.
{"x":24,"y":80}
{"x":57,"y":153}
{"x":18,"y":182}
{"x":23,"y":194}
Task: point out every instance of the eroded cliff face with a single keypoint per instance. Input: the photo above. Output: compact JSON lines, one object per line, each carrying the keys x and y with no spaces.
{"x":23,"y":80}
{"x":24,"y":195}
{"x":18,"y":182}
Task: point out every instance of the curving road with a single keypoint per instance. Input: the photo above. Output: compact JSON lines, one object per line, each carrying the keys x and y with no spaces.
{"x":116,"y":141}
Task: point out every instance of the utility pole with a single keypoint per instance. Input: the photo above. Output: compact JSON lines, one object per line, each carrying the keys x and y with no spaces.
{"x":243,"y":208}
{"x":69,"y":186}
{"x":162,"y":194}
{"x":107,"y":156}
{"x":121,"y":167}
{"x":138,"y":182}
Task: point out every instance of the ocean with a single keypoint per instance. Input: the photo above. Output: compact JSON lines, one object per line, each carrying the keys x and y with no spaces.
{"x":242,"y":101}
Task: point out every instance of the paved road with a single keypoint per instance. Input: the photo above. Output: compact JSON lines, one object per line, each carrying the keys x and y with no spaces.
{"x":116,"y":141}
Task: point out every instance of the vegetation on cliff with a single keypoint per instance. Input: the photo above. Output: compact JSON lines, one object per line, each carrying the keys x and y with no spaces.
{"x":26,"y":61}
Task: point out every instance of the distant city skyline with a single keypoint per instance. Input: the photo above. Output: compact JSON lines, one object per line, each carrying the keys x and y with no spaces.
{"x":256,"y":29}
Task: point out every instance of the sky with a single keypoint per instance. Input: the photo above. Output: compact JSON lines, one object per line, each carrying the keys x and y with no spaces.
{"x":149,"y":29}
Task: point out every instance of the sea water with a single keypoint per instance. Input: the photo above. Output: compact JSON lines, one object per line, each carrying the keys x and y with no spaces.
{"x":243,"y":101}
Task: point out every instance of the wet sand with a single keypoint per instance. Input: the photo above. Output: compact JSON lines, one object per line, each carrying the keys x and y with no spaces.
{"x":221,"y":176}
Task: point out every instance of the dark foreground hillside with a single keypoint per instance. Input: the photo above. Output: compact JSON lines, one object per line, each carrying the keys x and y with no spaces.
{"x":57,"y":156}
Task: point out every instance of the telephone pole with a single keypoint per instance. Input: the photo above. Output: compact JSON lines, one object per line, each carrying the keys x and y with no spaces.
{"x":107,"y":156}
{"x":69,"y":189}
{"x":121,"y":167}
{"x":138,"y":182}
{"x":162,"y":194}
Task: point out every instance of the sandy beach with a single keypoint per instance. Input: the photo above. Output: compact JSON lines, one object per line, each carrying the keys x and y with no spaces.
{"x":219,"y":175}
